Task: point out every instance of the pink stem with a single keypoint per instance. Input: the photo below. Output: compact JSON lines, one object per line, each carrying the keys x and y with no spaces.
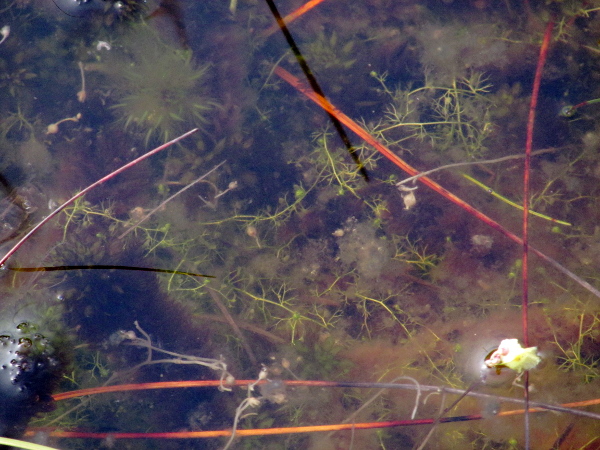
{"x":87,"y":189}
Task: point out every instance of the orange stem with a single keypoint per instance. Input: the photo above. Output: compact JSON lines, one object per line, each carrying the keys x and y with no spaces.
{"x":292,"y":16}
{"x":289,"y":430}
{"x":144,"y":386}
{"x":291,"y":383}
{"x":363,"y":134}
{"x":252,"y":432}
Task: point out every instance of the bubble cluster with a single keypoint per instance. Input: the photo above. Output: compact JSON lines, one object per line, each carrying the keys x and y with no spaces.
{"x":29,"y":371}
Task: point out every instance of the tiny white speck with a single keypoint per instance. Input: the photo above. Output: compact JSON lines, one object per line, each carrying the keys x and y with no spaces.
{"x":103,"y":45}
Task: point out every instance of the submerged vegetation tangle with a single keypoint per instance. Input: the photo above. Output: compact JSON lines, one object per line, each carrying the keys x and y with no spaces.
{"x":319,"y":276}
{"x":455,"y":117}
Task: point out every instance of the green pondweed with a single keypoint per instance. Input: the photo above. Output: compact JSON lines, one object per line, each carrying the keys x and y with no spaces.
{"x":332,"y":167}
{"x":573,"y":357}
{"x":453,"y":116}
{"x":415,"y":254}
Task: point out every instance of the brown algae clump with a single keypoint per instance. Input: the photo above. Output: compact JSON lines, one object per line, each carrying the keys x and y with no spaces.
{"x":163,"y":92}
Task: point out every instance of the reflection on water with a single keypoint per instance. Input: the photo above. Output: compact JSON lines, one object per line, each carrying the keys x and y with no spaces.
{"x":319,"y":275}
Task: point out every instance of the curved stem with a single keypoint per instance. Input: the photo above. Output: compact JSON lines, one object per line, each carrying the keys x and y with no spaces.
{"x":46,"y":219}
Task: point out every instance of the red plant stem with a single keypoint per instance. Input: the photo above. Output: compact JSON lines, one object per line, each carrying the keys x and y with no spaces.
{"x":526,"y":172}
{"x":89,"y":188}
{"x":363,"y":134}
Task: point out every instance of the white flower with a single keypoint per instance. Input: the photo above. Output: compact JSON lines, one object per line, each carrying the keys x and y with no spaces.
{"x":510,"y":354}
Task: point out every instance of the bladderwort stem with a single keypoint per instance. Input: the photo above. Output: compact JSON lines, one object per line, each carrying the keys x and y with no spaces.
{"x":53,"y":127}
{"x":217,"y":365}
{"x":249,"y":402}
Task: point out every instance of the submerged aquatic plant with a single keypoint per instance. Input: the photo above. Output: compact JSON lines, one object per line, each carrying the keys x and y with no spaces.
{"x":163,"y":89}
{"x":452,"y":115}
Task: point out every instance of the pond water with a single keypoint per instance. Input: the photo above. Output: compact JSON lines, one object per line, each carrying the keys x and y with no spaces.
{"x":315,"y":273}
